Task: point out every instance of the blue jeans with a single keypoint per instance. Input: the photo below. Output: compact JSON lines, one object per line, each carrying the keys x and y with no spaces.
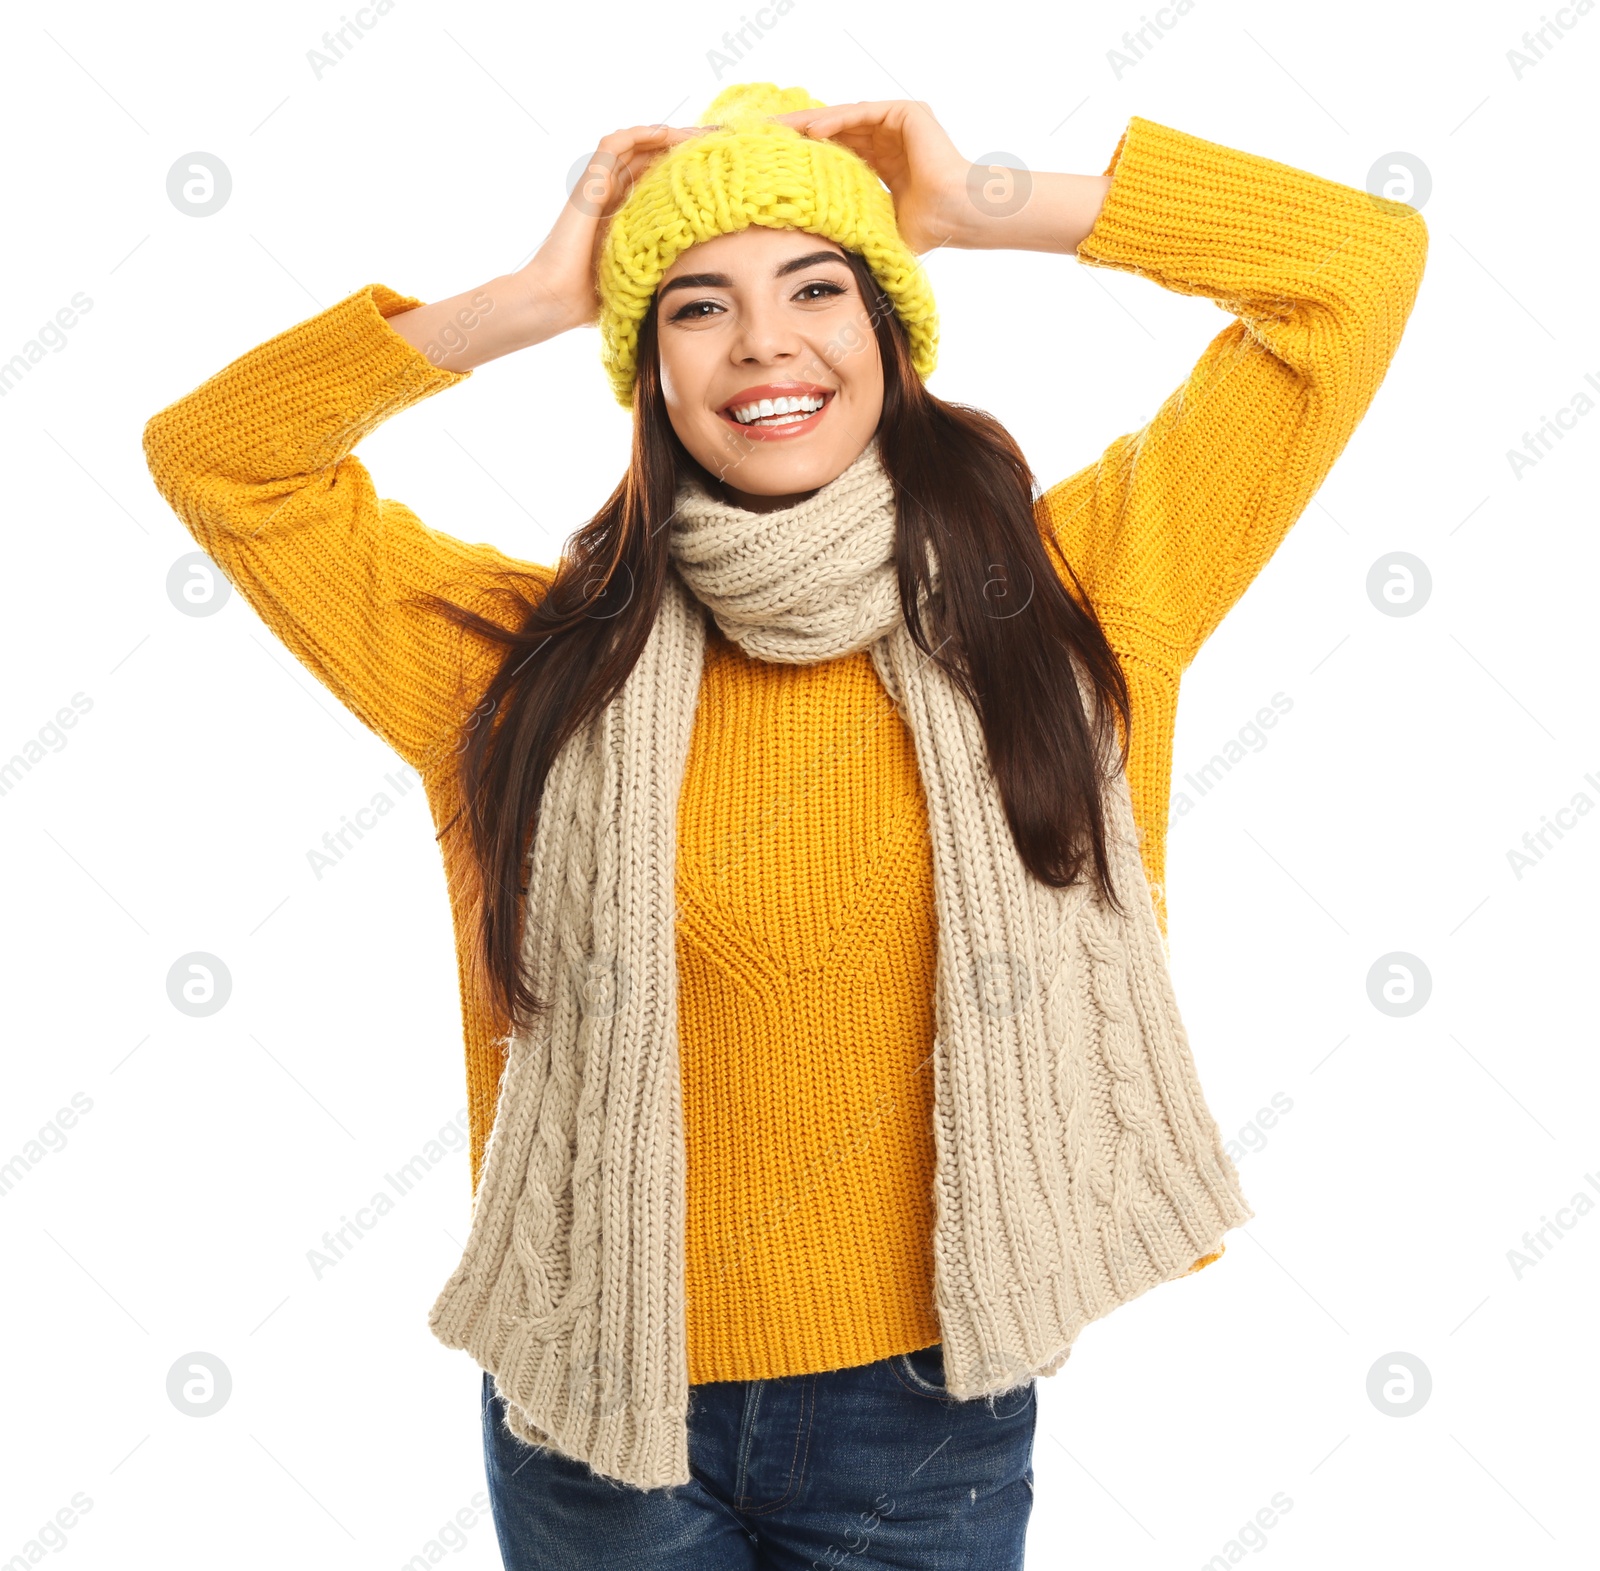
{"x":870,"y":1467}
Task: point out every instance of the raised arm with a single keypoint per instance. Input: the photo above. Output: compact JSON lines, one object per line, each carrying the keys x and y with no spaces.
{"x":1168,"y":527}
{"x":258,"y":463}
{"x":1173,"y":521}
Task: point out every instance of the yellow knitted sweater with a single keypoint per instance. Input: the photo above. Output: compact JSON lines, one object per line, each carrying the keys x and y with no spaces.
{"x":806,"y":939}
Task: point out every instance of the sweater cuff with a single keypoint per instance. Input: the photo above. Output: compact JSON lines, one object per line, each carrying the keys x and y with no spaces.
{"x":356,"y":371}
{"x":300,"y":402}
{"x":1200,"y":218}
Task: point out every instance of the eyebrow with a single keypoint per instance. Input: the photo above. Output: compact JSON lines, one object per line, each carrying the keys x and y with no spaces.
{"x":722,"y":281}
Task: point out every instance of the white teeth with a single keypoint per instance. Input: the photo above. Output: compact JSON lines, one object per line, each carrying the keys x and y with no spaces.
{"x":777,"y":411}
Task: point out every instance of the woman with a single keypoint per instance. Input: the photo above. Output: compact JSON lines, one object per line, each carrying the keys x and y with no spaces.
{"x":805,"y":824}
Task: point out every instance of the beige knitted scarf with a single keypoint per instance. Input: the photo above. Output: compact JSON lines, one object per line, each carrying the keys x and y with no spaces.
{"x":1077,"y":1163}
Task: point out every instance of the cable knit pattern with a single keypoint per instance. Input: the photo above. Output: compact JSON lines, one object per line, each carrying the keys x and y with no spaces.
{"x":570,"y":1288}
{"x":583,"y":1325}
{"x":809,"y":942}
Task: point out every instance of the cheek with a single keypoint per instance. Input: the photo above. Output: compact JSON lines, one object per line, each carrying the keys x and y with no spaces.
{"x":684,"y":385}
{"x":685,"y":378}
{"x":671,"y":377}
{"x":860,"y":368}
{"x":681,"y":414}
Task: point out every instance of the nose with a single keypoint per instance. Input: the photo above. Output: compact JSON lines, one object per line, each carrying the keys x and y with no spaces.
{"x":764,"y":337}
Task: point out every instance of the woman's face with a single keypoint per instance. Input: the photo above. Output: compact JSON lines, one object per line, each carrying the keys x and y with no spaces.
{"x":748,"y":319}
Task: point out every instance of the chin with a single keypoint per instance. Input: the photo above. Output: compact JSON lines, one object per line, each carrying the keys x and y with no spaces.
{"x":779,"y":474}
{"x":767,"y":470}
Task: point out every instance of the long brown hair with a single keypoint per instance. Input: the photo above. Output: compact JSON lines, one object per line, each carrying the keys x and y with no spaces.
{"x":1002,"y":624}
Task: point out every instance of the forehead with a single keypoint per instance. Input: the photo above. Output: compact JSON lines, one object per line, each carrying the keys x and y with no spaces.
{"x":751,"y":253}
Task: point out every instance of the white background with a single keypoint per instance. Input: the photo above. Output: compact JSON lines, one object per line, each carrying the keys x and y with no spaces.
{"x":178,"y":1214}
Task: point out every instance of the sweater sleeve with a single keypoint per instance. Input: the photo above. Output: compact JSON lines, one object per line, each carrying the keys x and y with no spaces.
{"x":257,"y":463}
{"x":1167,"y":529}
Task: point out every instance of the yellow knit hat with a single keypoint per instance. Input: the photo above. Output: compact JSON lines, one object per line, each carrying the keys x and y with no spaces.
{"x":752,"y":171}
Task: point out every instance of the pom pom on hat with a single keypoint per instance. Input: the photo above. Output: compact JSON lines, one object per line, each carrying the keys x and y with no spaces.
{"x":751,"y":169}
{"x":743,"y":104}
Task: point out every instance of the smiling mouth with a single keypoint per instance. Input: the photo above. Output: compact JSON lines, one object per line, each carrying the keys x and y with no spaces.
{"x":765,"y":412}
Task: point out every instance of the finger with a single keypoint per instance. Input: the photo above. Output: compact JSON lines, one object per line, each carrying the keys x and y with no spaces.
{"x":858,"y":139}
{"x":633,"y":147}
{"x":617,"y":162}
{"x":834,"y":118}
{"x":642,"y":135}
{"x":641,"y":157}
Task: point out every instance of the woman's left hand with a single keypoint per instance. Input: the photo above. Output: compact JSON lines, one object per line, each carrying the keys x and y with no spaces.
{"x":911,"y":153}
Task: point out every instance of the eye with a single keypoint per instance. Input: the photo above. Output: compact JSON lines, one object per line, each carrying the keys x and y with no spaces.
{"x":826,"y":288}
{"x":691,"y":312}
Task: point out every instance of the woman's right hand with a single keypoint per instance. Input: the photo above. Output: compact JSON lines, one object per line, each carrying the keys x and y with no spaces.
{"x":556,"y":289}
{"x":560,"y":278}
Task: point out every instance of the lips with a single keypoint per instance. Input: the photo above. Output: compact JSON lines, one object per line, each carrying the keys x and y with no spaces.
{"x":774,"y":390}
